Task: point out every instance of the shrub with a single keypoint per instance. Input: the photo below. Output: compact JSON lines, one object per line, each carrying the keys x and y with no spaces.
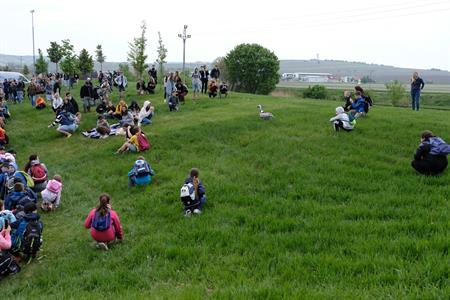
{"x":396,"y":91}
{"x":315,"y":92}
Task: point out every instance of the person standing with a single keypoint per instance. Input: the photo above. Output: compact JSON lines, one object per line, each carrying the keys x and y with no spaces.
{"x":153,"y":73}
{"x":417,"y":85}
{"x":86,"y":93}
{"x":196,"y":84}
{"x":215,"y":73}
{"x":204,"y":74}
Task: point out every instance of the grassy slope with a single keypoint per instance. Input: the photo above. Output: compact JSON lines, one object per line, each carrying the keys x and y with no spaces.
{"x":295,"y":209}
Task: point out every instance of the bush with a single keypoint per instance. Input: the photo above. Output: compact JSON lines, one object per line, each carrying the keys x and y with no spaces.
{"x":315,"y":92}
{"x":396,"y":91}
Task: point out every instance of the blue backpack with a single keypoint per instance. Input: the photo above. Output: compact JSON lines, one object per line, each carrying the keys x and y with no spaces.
{"x":101,"y":223}
{"x":439,"y":146}
{"x":141,"y":168}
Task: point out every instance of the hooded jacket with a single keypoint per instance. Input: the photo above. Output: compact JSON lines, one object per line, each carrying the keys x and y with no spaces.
{"x":342,"y":116}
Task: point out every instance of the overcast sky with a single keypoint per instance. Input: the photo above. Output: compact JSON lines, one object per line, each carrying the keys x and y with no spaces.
{"x":401,"y":33}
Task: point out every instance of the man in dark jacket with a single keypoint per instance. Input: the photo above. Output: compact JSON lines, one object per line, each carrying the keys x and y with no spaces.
{"x":430,"y":157}
{"x":215,"y":73}
{"x":417,"y":85}
{"x":153,"y":73}
{"x":204,"y":74}
{"x":86,"y":93}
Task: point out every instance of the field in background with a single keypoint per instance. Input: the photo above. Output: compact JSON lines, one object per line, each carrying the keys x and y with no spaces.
{"x":429,"y":88}
{"x":294,"y":209}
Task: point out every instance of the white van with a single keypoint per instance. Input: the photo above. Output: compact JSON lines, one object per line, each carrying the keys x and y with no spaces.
{"x":13,"y":75}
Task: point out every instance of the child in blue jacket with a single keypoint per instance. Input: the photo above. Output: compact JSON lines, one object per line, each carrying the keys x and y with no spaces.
{"x":141,"y":173}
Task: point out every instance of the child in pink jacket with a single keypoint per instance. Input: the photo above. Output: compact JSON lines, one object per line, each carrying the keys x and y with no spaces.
{"x":104,"y":223}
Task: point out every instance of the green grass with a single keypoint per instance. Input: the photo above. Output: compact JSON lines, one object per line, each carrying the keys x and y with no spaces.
{"x":294,"y":209}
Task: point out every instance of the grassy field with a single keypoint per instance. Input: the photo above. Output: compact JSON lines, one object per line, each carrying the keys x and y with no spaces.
{"x":295,"y":210}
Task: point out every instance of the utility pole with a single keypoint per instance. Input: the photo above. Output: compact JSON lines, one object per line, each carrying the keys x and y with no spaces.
{"x":184,"y":37}
{"x":32,"y":31}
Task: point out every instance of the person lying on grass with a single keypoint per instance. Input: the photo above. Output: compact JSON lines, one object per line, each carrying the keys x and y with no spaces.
{"x":141,"y":173}
{"x":67,"y":123}
{"x":431,"y":155}
{"x":104,"y":224}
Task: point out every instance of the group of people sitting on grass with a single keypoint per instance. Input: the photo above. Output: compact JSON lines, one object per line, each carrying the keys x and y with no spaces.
{"x":175,"y":90}
{"x":346,"y":115}
{"x":20,"y":226}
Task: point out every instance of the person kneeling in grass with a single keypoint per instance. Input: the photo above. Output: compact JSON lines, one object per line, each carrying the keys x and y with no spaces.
{"x":193,"y":193}
{"x":431,"y":155}
{"x":104,"y":223}
{"x":141,"y":173}
{"x":67,"y":123}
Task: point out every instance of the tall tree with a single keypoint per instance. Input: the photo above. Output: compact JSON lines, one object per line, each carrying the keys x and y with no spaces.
{"x":69,"y":64}
{"x":41,"y":66}
{"x":137,"y":56}
{"x":99,"y":56}
{"x":55,"y":53}
{"x":162,"y":54}
{"x":252,"y":68}
{"x":85,"y":62}
{"x":25,"y":70}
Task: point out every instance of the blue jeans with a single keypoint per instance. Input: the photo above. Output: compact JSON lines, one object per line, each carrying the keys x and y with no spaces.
{"x":146,"y":121}
{"x":20,"y":96}
{"x":415,"y":98}
{"x":32,"y":99}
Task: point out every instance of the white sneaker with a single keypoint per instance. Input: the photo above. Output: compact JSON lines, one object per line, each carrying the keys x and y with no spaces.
{"x":197,"y":211}
{"x":102,"y":246}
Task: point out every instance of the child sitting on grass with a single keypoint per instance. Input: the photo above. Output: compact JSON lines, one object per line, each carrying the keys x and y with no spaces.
{"x":193,"y":193}
{"x":51,"y":195}
{"x":137,"y":142}
{"x":141,"y":173}
{"x":341,"y":120}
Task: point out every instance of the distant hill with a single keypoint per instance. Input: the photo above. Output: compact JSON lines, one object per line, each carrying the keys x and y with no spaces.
{"x":380,"y":73}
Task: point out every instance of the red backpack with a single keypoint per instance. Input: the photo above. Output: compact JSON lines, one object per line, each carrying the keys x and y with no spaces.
{"x":144,"y":144}
{"x":38,"y":173}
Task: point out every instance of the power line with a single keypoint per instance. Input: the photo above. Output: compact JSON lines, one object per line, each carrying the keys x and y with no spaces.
{"x":352,"y":19}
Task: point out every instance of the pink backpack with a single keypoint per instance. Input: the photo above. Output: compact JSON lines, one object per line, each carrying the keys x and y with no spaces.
{"x":54,"y":186}
{"x":144,"y":144}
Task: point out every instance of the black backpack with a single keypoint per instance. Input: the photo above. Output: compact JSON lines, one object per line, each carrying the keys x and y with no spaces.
{"x":7,"y":264}
{"x":31,"y":242}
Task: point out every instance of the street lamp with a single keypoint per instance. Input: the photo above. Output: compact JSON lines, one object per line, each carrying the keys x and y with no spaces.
{"x":184,"y":36}
{"x":32,"y":31}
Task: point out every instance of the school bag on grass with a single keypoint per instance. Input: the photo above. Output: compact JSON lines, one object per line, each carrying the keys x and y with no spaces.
{"x":187,"y":196}
{"x":144,"y":144}
{"x":101,"y":223}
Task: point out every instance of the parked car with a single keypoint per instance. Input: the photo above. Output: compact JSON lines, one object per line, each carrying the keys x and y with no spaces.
{"x":13,"y":75}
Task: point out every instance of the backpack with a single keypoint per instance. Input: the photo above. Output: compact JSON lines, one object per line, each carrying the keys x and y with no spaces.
{"x":38,"y":173}
{"x":144,"y":144}
{"x":187,"y":196}
{"x":54,"y":186}
{"x":439,"y":146}
{"x":101,"y":223}
{"x":8,"y":185}
{"x":31,"y":242}
{"x":141,"y":168}
{"x":7,"y":264}
{"x":28,"y":179}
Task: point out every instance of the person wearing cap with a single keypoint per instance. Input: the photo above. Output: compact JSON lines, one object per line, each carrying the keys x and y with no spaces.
{"x":87,"y":93}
